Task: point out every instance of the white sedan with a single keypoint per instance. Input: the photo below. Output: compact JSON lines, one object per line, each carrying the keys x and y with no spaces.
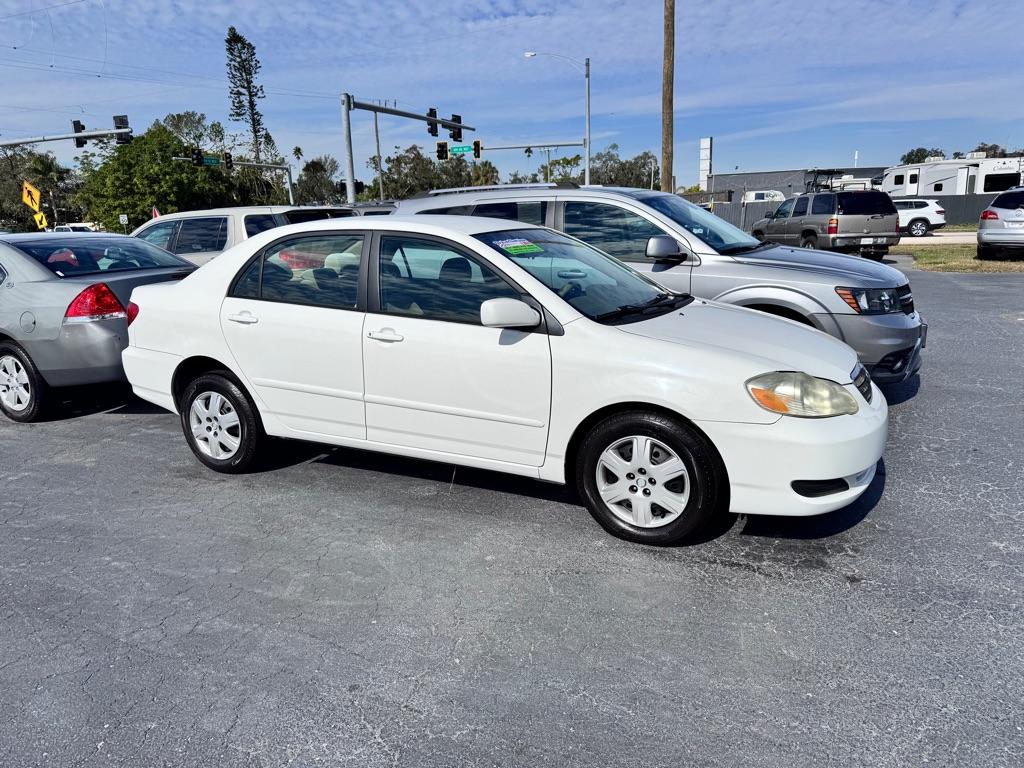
{"x":514,"y":348}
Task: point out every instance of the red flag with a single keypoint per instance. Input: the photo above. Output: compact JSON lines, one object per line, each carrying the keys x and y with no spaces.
{"x":156,"y":213}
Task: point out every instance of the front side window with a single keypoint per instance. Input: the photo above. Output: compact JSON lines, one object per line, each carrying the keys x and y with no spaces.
{"x":528,"y":212}
{"x":823,"y":204}
{"x":783,"y":211}
{"x":160,"y":235}
{"x":801,"y":206}
{"x":429,"y":279}
{"x":70,"y":256}
{"x":205,"y":235}
{"x":614,"y":230}
{"x":594,"y":284}
{"x":313,"y":270}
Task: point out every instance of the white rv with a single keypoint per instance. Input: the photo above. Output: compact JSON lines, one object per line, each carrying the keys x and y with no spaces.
{"x":974,"y":174}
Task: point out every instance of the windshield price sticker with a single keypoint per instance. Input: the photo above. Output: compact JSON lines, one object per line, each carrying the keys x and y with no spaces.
{"x":517,"y":246}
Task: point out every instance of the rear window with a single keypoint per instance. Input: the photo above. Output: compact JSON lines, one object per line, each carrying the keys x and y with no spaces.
{"x":204,"y":235}
{"x":823,"y":204}
{"x":1009,"y":200}
{"x":67,"y":257}
{"x":864,"y":203}
{"x":301,"y":216}
{"x":259,"y":222}
{"x":530,"y":212}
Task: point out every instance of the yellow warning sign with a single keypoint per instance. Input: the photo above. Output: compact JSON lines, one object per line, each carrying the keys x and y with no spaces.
{"x":40,"y":220}
{"x":30,"y":196}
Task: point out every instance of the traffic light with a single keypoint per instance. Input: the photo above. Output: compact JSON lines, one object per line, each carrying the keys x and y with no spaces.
{"x":77,"y":126}
{"x":228,"y":161}
{"x":456,"y":133}
{"x":360,"y":187}
{"x":197,"y":157}
{"x":442,"y":150}
{"x":432,"y":124}
{"x":478,"y":148}
{"x":121,"y":121}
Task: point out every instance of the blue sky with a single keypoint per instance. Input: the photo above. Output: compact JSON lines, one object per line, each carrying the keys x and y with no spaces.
{"x":779,"y":85}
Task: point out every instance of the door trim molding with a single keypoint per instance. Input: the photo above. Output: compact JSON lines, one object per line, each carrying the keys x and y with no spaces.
{"x":396,"y":402}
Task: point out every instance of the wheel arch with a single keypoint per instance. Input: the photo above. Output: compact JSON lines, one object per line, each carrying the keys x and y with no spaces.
{"x":589,"y":422}
{"x":781,"y":301}
{"x":197,"y":365}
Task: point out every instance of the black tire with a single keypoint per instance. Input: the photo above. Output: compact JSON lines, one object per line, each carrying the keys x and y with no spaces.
{"x":708,"y":485}
{"x":918,"y":228}
{"x":874,"y":254}
{"x":249,"y":430}
{"x":986,"y":252}
{"x":809,"y":241}
{"x":37,"y":389}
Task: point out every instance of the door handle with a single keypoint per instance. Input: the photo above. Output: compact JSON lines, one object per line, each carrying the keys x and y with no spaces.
{"x":385,"y":334}
{"x":245,"y":318}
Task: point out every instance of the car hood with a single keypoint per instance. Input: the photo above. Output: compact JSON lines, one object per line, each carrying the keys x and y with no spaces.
{"x":838,"y":268}
{"x":770,"y":343}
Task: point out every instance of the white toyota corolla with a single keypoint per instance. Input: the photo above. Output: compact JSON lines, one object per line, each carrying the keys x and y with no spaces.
{"x":513,"y":348}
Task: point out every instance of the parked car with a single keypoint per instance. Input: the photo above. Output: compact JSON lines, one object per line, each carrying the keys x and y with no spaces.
{"x":513,"y":348}
{"x":919,"y":217}
{"x":75,"y":226}
{"x":869,"y":306}
{"x":1001,"y":226}
{"x":201,"y":235}
{"x":63,"y":316}
{"x":848,"y":221}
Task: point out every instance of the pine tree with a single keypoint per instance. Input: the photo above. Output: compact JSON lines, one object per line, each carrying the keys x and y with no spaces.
{"x":243,"y":69}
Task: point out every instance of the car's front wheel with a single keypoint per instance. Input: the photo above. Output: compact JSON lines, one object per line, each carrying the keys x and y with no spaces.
{"x":649,"y":478}
{"x":220,"y":423}
{"x":22,"y":390}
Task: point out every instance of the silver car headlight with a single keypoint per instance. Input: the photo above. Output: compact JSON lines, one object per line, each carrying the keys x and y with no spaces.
{"x":797,"y":394}
{"x":871,"y":301}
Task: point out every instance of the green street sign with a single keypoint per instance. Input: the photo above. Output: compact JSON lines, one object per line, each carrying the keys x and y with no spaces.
{"x":207,"y":160}
{"x":461,"y":149}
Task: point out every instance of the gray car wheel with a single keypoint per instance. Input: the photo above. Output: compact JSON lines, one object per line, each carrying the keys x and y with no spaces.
{"x":809,"y":241}
{"x":220,"y":423}
{"x":22,"y":391}
{"x":918,"y":228}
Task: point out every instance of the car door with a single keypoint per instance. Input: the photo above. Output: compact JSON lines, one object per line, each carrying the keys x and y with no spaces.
{"x":775,"y":228}
{"x":797,"y":223}
{"x":293,"y":321}
{"x":436,"y":379}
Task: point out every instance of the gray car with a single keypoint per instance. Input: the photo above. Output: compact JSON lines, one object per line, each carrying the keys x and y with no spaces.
{"x":848,"y":221}
{"x":1001,"y":226}
{"x":65,"y":308}
{"x":688,"y":249}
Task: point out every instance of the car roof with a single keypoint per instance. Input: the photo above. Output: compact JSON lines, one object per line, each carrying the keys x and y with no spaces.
{"x":468,"y":195}
{"x":243,"y":209}
{"x":428,"y":224}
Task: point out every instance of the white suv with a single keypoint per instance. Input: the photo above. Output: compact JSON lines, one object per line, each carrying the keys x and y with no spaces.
{"x":919,"y":217}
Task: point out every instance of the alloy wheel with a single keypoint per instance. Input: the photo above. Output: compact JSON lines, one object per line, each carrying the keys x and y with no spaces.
{"x":918,"y":229}
{"x":15,"y":390}
{"x":215,"y":425}
{"x":642,"y":481}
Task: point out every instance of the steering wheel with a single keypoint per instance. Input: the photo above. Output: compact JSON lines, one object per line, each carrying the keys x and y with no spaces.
{"x":570,"y":290}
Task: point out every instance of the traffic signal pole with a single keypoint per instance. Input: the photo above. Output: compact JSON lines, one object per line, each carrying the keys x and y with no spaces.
{"x":266,"y":166}
{"x":348,"y":104}
{"x":64,"y":136}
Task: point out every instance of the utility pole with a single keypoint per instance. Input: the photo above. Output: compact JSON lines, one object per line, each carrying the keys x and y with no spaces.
{"x":667,"y":85}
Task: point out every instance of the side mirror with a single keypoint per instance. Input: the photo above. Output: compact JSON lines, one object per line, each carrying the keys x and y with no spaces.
{"x":769,"y":214}
{"x":508,"y":313}
{"x":665,"y":247}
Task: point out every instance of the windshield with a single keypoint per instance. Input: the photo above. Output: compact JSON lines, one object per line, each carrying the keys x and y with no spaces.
{"x":70,"y":256}
{"x":702,"y":224}
{"x":596,"y":285}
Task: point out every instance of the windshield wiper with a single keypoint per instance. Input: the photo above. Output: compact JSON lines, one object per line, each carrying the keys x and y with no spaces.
{"x":744,"y":248}
{"x":660,"y":300}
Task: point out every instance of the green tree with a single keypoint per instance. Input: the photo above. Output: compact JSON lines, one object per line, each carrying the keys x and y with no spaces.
{"x":15,"y":163}
{"x":564,"y":169}
{"x":133,"y":178}
{"x":51,"y":178}
{"x":483,"y":173}
{"x":522,"y":178}
{"x":995,"y":150}
{"x":606,"y":167}
{"x":318,"y":182}
{"x":244,"y":90}
{"x":920,"y":154}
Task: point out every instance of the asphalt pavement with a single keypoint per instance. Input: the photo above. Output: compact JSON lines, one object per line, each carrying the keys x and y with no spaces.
{"x":345,"y":608}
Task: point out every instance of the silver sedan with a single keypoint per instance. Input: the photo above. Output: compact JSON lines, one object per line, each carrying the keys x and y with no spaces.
{"x":65,"y":308}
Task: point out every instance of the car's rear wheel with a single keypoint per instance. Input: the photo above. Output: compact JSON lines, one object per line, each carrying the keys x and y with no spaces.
{"x":987,"y":252}
{"x":22,"y":390}
{"x":648,"y":478}
{"x":220,"y":423}
{"x":809,"y":241}
{"x":918,"y":228}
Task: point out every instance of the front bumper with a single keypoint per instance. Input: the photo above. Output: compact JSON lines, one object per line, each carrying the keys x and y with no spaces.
{"x":764,"y":460}
{"x":888,"y":345}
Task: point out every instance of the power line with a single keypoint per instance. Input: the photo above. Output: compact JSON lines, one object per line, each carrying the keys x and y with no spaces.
{"x":40,"y":10}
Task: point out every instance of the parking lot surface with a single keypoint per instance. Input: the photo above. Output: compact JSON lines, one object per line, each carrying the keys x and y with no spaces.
{"x":344,"y":608}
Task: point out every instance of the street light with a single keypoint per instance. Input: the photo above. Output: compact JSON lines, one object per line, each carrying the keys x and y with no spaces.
{"x":583,"y":66}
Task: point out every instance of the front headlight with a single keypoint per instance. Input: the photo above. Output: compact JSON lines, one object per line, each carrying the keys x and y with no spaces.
{"x":871,"y":301}
{"x":796,"y":394}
